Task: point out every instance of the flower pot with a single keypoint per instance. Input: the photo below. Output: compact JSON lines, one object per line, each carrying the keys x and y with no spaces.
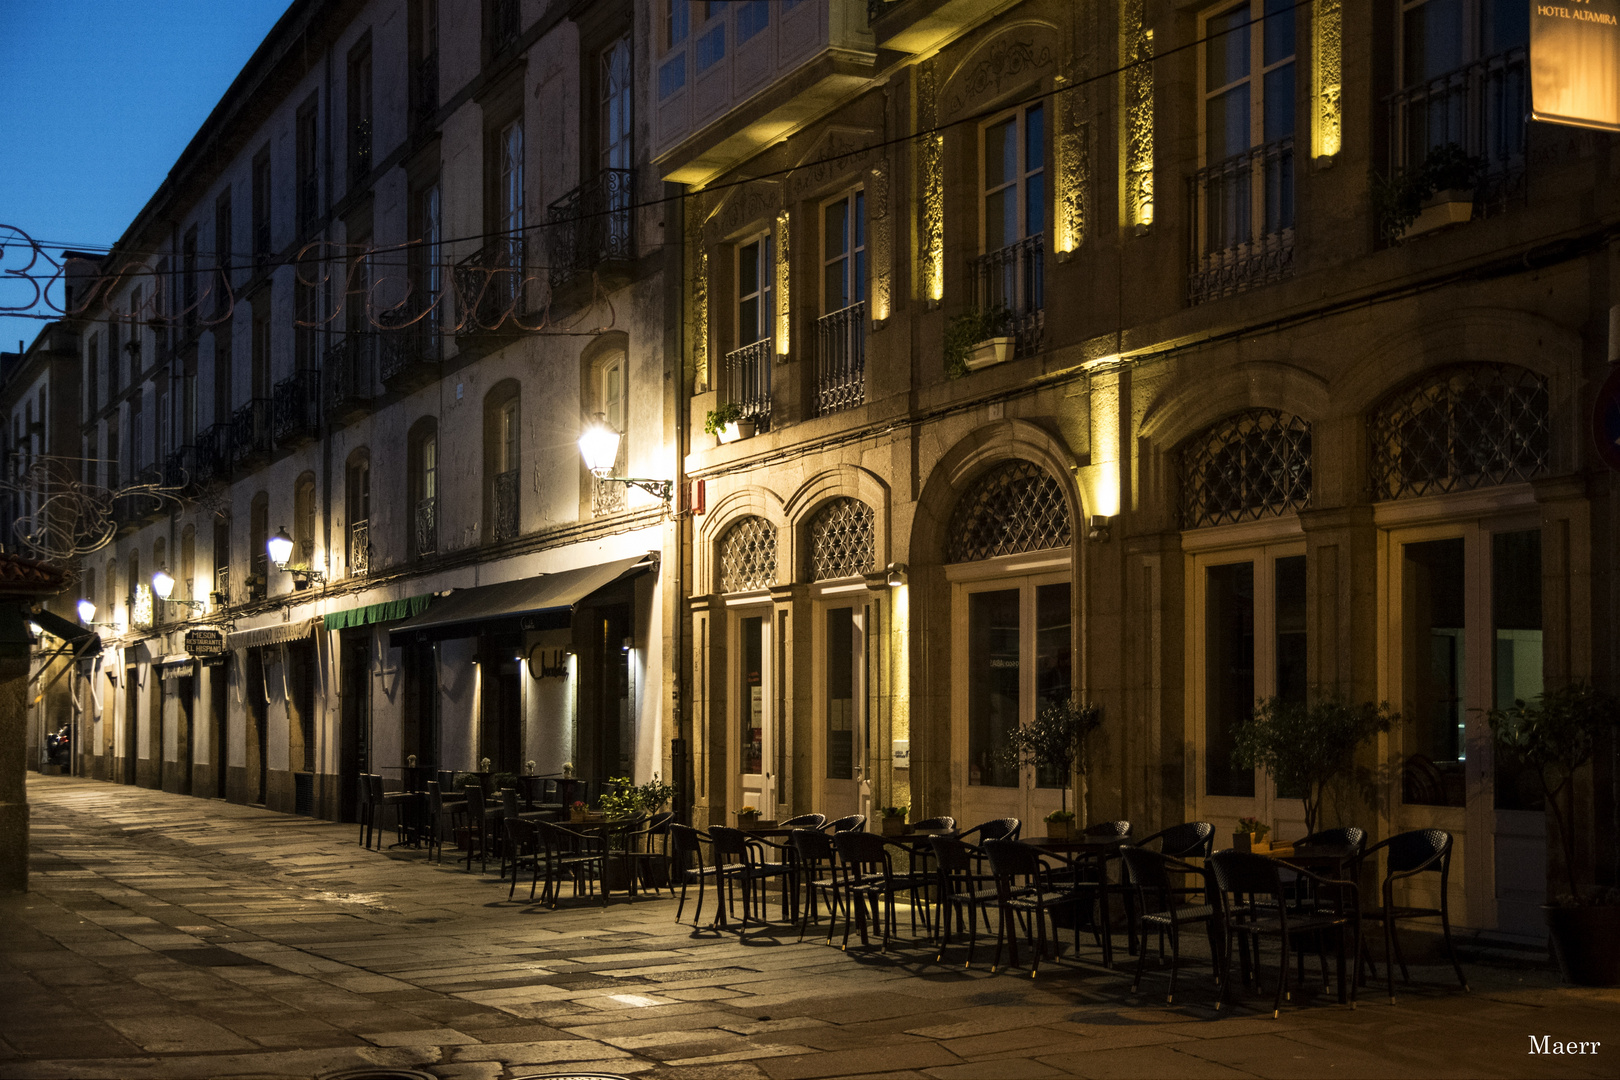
{"x":578,"y":815}
{"x":894,"y":826}
{"x":996,"y":350}
{"x":1059,"y":830}
{"x":1586,"y":942}
{"x":737,"y":429}
{"x":1452,"y":206}
{"x":1245,"y":841}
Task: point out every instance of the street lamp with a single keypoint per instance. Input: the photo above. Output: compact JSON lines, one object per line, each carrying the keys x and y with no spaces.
{"x":280,"y":549}
{"x":87,"y":611}
{"x":163,"y":589}
{"x":599,"y":446}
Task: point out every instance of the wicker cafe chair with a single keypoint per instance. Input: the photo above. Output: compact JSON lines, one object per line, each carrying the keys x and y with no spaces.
{"x":959,"y":889}
{"x":1025,"y":896}
{"x":580,"y":857}
{"x":1188,"y":840}
{"x":686,"y":849}
{"x":383,"y":801}
{"x":1421,"y":851}
{"x":804,"y":821}
{"x":363,"y":810}
{"x":1253,"y":903}
{"x":648,"y":847}
{"x":869,"y":882}
{"x":443,"y":817}
{"x":483,"y":821}
{"x":817,"y":861}
{"x":852,"y":823}
{"x":742,"y":860}
{"x":522,"y":847}
{"x":1160,"y":908}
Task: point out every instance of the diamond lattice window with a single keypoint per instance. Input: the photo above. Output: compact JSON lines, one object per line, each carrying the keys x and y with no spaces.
{"x":748,"y":555}
{"x":1249,"y":465}
{"x":1013,"y":508}
{"x":843,"y":540}
{"x":1460,"y":428}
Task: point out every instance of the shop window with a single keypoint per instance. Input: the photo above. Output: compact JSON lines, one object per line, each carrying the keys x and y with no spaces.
{"x":1460,"y":428}
{"x":1013,"y":508}
{"x":748,"y":555}
{"x":843,"y":541}
{"x":1248,"y":466}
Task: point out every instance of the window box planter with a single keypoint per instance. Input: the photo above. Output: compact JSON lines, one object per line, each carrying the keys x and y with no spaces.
{"x":1060,"y":830}
{"x":737,"y":429}
{"x":894,"y":826}
{"x":996,"y":350}
{"x":1452,"y":206}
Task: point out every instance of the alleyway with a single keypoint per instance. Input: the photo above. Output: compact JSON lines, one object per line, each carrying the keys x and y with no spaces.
{"x":169,"y":936}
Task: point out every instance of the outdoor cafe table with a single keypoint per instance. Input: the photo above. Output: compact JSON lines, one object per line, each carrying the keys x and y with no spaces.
{"x":1103,"y":850}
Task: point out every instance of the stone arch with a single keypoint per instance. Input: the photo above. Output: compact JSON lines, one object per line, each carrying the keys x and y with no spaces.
{"x":730,"y":509}
{"x":840,"y":481}
{"x":1021,"y":53}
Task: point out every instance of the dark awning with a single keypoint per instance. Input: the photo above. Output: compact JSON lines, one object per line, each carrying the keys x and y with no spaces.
{"x":274,"y":634}
{"x":540,"y":603}
{"x":86,"y":642}
{"x":387,"y":611}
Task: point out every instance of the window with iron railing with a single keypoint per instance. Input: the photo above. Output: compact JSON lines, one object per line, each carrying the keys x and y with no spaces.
{"x":841,"y":331}
{"x":1242,"y":200}
{"x":1010,"y":275}
{"x":504,"y":25}
{"x":591,"y":225}
{"x":359,"y":548}
{"x":360,"y":113}
{"x":505,"y":510}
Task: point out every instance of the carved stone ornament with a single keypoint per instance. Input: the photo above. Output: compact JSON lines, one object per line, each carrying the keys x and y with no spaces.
{"x":1009,"y":60}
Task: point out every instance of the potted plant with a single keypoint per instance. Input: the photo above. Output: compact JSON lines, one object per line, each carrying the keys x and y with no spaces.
{"x":577,"y":810}
{"x":976,"y":339}
{"x":1307,"y":745}
{"x":1556,"y":735}
{"x":1251,"y":834}
{"x":1436,"y":192}
{"x":1057,"y":739}
{"x":747,"y":817}
{"x":894,"y":820}
{"x":728,"y":424}
{"x":1060,"y":824}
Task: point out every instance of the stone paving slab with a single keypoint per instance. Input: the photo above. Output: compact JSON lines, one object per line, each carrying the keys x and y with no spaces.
{"x":168,"y":936}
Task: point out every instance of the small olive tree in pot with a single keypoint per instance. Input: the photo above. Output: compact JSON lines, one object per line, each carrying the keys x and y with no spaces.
{"x":1057,"y":739}
{"x":1555,"y":735}
{"x":1307,"y":745}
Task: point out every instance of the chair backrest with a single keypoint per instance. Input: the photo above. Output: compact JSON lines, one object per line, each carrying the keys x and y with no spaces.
{"x":509,"y":801}
{"x":804,"y":821}
{"x":1108,"y":830}
{"x":863,"y":854}
{"x":475,"y":802}
{"x":521,"y":834}
{"x":1145,"y":868}
{"x":954,"y":856}
{"x":944,"y":821}
{"x":1348,"y":835}
{"x":852,"y":823}
{"x":1409,"y":851}
{"x":1005,"y":828}
{"x":375,"y":782}
{"x":1246,"y":872}
{"x":730,"y":845}
{"x":435,"y":796}
{"x":813,"y":845}
{"x":1014,"y":864}
{"x":1181,"y":841}
{"x":683,"y":841}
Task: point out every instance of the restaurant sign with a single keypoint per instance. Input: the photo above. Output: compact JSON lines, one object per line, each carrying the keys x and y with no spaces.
{"x":205,"y":642}
{"x":1575,"y":62}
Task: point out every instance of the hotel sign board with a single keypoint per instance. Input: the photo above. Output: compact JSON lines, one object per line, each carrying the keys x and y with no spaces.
{"x":1575,"y":62}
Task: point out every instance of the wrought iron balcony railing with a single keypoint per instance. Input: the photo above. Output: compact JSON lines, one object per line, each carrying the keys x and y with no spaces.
{"x":409,"y":352}
{"x":359,"y":153}
{"x":297,"y":411}
{"x":489,"y":287}
{"x":504,"y":25}
{"x":1242,"y":221}
{"x":180,"y":469}
{"x":350,"y":369}
{"x":1480,"y":107}
{"x":426,"y":535}
{"x":425,"y":90}
{"x":213,"y":454}
{"x":359,"y":548}
{"x":250,"y":433}
{"x":591,"y":225}
{"x":1013,"y":279}
{"x":222,"y":584}
{"x":505,"y":523}
{"x":841,"y":359}
{"x":748,"y":380}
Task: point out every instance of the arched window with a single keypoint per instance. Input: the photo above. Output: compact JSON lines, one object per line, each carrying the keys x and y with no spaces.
{"x":1016,"y":506}
{"x":357,"y":497}
{"x":748,"y":555}
{"x":1251,"y":464}
{"x":423,"y":488}
{"x":501,"y":461}
{"x":843,"y":540}
{"x":1460,"y":428}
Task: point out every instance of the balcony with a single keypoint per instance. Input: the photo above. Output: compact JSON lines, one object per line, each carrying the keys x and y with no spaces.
{"x":505,"y":523}
{"x":409,"y":356}
{"x":425,"y":536}
{"x":1013,"y":279}
{"x":359,"y":548}
{"x":350,"y":367}
{"x":747,"y":374}
{"x":592,"y":226}
{"x":213,"y":455}
{"x":222,"y":585}
{"x":359,"y":153}
{"x":1242,"y":222}
{"x":1480,"y":107}
{"x":750,"y":72}
{"x":425,"y":90}
{"x":250,"y":434}
{"x":297,"y":409}
{"x":489,"y":293}
{"x":841,"y":359}
{"x":180,"y":472}
{"x":505,"y":24}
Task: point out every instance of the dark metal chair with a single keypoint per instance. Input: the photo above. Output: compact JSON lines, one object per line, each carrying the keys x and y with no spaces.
{"x":1191,"y":839}
{"x":817,"y":861}
{"x":580,"y":857}
{"x":959,"y":889}
{"x":1159,"y":907}
{"x":1026,"y":893}
{"x":803,"y":821}
{"x":483,"y":821}
{"x":685,"y":849}
{"x":1253,"y":902}
{"x":742,"y":859}
{"x":869,"y":883}
{"x":1407,"y":854}
{"x":852,"y":823}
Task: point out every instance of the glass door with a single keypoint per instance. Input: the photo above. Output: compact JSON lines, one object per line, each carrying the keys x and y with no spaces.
{"x":1013,"y":652}
{"x":840,"y":707}
{"x":1249,"y":615}
{"x":755,"y":716}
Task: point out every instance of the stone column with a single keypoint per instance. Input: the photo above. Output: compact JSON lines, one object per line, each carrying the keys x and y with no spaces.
{"x":13,"y":769}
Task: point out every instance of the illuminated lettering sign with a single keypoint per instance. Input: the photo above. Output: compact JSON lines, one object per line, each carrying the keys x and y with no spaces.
{"x":1575,"y":62}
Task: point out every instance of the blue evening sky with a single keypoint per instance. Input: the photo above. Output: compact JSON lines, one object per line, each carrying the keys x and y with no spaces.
{"x":97,"y":100}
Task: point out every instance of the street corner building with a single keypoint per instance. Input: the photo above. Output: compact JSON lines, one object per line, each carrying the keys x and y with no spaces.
{"x":965,"y":357}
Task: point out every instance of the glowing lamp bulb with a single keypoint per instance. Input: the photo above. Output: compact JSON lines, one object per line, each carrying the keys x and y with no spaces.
{"x":163,"y":584}
{"x":599,"y":445}
{"x":280,"y":547}
{"x":87,"y":611}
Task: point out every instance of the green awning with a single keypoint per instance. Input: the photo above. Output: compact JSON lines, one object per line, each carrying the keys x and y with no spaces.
{"x":387,"y":611}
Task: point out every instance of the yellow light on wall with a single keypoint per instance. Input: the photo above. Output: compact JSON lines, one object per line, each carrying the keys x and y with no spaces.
{"x":900,"y":680}
{"x":782,"y":284}
{"x":934,"y":214}
{"x":1104,"y":470}
{"x":1069,"y":228}
{"x":141,"y":607}
{"x":1138,"y":104}
{"x":1327,"y":44}
{"x":700,"y":318}
{"x":877,"y":209}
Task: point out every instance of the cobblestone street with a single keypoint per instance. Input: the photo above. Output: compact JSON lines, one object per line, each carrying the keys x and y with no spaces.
{"x":168,"y":936}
